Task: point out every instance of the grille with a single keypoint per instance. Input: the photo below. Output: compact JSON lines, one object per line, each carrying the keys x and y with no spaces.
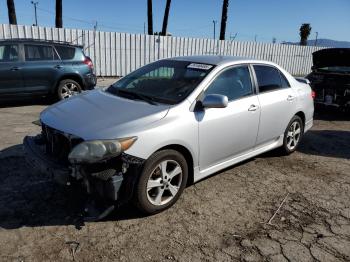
{"x":58,"y":144}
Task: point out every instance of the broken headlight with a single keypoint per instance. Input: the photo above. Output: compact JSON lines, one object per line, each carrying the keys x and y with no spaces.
{"x":97,"y":150}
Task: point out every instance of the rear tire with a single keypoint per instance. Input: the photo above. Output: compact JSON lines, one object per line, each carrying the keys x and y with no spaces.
{"x":162,"y":181}
{"x":292,"y":135}
{"x":67,"y":88}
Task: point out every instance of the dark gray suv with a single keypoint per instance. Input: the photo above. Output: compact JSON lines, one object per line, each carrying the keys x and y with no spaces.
{"x":43,"y":68}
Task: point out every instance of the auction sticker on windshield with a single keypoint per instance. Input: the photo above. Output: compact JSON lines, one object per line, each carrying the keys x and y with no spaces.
{"x":199,"y":66}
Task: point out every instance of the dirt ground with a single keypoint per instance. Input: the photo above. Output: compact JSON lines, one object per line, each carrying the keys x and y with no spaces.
{"x":222,"y":218}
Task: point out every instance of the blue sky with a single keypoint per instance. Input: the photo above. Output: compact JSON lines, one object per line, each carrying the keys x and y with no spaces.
{"x":264,"y":19}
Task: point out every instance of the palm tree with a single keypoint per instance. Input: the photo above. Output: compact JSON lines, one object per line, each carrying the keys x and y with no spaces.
{"x":223,"y":19}
{"x":304,"y":33}
{"x":12,"y":12}
{"x":58,"y":20}
{"x":150,"y":17}
{"x":166,"y":16}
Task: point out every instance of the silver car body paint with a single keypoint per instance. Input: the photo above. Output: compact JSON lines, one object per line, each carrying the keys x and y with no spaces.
{"x":215,"y":137}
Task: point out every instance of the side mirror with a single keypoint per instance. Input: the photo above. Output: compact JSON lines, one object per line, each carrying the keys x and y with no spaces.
{"x":215,"y":101}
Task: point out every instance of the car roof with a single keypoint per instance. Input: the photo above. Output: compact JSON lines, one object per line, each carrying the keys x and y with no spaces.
{"x":218,"y":59}
{"x":39,"y":41}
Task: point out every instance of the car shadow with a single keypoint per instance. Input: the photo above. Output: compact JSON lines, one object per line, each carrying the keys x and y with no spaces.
{"x":329,"y":143}
{"x":26,"y":101}
{"x":28,"y":199}
{"x":331,"y":114}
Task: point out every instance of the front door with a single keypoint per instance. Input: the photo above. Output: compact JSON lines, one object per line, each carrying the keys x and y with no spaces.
{"x":228,"y":132}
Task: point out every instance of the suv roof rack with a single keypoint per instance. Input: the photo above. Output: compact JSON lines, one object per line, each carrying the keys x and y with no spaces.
{"x":41,"y":41}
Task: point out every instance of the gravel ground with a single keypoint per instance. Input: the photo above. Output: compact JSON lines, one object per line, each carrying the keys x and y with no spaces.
{"x":222,"y":218}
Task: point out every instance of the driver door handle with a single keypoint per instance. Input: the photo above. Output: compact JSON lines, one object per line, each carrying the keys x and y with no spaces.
{"x":58,"y":66}
{"x":253,"y":108}
{"x":15,"y":68}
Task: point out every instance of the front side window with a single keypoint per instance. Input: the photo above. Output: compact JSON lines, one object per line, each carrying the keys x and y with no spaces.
{"x":234,"y":83}
{"x":165,"y":81}
{"x":268,"y":77}
{"x":38,"y":52}
{"x":8,"y":53}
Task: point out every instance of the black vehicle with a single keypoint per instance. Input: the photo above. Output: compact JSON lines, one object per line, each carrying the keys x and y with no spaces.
{"x":31,"y":67}
{"x":330,"y":77}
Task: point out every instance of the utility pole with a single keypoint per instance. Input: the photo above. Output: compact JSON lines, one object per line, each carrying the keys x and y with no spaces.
{"x":144,"y":28}
{"x":36,"y":17}
{"x":316,"y":38}
{"x":255,"y":38}
{"x":214,"y":22}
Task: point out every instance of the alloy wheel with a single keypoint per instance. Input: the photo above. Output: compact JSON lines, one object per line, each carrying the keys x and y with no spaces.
{"x":69,"y":89}
{"x":164,"y":182}
{"x":293,"y":135}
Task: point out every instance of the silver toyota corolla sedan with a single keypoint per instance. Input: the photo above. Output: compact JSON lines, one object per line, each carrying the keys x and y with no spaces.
{"x":168,"y":124}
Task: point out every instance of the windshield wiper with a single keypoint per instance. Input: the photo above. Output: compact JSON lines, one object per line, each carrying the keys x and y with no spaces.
{"x":137,"y":96}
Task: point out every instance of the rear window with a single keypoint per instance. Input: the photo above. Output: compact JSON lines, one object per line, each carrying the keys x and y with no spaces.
{"x":66,"y":53}
{"x":38,"y":52}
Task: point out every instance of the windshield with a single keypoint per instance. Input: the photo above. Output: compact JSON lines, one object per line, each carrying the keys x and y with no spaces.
{"x":337,"y":69}
{"x":165,"y":81}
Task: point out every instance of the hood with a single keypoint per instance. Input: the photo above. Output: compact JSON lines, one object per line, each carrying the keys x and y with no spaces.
{"x":100,"y":115}
{"x":331,"y":57}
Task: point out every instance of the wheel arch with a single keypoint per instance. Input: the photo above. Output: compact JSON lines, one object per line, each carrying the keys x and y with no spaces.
{"x":77,"y":78}
{"x":301,"y":114}
{"x":187,"y":155}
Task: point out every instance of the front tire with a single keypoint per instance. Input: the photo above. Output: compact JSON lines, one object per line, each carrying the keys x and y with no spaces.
{"x":162,"y":181}
{"x":293,"y":135}
{"x":67,"y":88}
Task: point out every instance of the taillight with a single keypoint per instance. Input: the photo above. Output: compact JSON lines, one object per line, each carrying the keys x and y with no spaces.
{"x":88,"y":62}
{"x":313,"y":94}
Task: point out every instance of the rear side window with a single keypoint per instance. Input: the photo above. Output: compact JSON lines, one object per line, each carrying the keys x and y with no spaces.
{"x":284,"y":80}
{"x":269,"y":78}
{"x":234,"y":83}
{"x":38,"y":52}
{"x":8,"y":53}
{"x":65,"y":53}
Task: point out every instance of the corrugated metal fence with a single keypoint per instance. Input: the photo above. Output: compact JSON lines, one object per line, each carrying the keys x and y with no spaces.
{"x":116,"y":54}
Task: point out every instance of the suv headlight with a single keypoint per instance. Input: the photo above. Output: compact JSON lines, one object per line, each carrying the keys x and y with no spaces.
{"x":97,"y":150}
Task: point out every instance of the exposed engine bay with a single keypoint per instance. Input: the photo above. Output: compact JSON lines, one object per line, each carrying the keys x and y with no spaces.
{"x":330,"y":77}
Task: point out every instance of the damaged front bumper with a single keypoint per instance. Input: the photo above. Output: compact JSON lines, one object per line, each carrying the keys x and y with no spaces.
{"x":109,"y":180}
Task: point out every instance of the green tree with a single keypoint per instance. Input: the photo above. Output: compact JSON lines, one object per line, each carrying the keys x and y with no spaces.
{"x":166,"y":16}
{"x":12,"y":12}
{"x":223,"y":19}
{"x":305,"y":30}
{"x":58,"y":20}
{"x":150,"y":17}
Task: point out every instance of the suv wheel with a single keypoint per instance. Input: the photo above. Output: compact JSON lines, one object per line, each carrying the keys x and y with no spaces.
{"x":293,"y":135}
{"x":161,"y":182}
{"x":67,"y":88}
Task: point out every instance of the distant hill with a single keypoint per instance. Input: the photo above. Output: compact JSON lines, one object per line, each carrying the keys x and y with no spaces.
{"x":326,"y":43}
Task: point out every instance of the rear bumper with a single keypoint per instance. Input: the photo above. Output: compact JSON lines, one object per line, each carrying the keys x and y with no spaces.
{"x":90,"y":81}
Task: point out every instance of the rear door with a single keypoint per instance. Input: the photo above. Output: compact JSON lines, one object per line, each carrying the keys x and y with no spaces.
{"x":10,"y":69}
{"x":277,"y":100}
{"x":41,"y":69}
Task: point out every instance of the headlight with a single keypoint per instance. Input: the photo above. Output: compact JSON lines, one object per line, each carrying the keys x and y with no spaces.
{"x":97,"y":150}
